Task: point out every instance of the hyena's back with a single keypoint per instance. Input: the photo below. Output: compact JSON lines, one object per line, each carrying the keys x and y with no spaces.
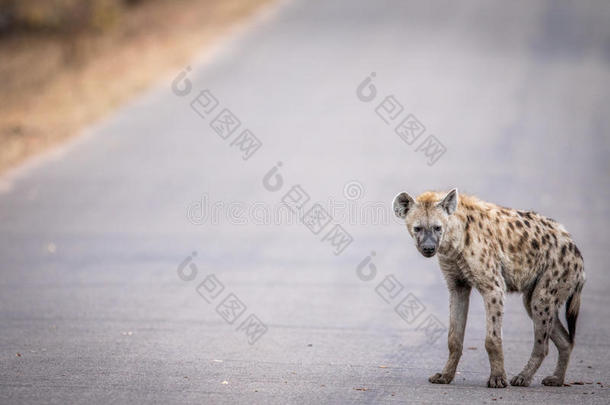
{"x":529,"y":247}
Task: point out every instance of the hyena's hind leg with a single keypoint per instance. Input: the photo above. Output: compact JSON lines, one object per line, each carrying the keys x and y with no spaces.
{"x":564,"y":340}
{"x":542,"y":309}
{"x":561,"y":339}
{"x":559,"y":336}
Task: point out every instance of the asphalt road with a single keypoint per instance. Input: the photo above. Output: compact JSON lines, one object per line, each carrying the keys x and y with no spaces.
{"x":95,"y":240}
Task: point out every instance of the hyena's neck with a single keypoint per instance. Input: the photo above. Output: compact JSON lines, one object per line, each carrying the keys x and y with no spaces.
{"x":453,"y":238}
{"x":468,"y":211}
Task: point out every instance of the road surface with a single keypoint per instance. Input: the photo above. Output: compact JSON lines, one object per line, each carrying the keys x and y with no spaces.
{"x":102,"y":299}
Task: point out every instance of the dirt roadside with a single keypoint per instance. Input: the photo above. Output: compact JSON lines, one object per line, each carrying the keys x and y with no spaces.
{"x":52,"y":87}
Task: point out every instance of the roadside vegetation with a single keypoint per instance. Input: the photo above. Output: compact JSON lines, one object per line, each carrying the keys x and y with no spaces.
{"x":66,"y":63}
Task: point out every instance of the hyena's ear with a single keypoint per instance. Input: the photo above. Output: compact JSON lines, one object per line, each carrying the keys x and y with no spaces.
{"x":450,"y":202}
{"x":402,"y":204}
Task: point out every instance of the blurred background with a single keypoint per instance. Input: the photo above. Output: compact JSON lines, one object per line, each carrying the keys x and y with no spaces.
{"x":162,"y":161}
{"x":67,"y":63}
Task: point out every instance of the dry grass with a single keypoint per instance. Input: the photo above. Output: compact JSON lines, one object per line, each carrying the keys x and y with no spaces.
{"x":53,"y":86}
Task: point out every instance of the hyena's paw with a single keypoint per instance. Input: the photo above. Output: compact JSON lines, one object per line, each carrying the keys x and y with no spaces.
{"x":497,"y":381}
{"x":439,"y":378}
{"x":552,"y":381}
{"x":520,"y":381}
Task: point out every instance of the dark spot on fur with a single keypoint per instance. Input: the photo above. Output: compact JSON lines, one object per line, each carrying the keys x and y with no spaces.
{"x":519,"y":224}
{"x":512,"y":227}
{"x":498,"y":313}
{"x":546,"y":309}
{"x":535,"y":244}
{"x":493,"y":300}
{"x":493,"y":318}
{"x":467,"y":241}
{"x":539,"y":341}
{"x":527,"y":223}
{"x":544,"y":322}
{"x":494,"y":333}
{"x":556,"y":273}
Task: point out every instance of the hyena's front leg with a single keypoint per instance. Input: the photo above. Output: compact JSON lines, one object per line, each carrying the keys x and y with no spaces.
{"x":494,"y":309}
{"x":458,"y":312}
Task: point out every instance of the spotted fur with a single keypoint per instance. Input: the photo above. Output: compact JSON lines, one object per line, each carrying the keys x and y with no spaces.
{"x":498,"y":250}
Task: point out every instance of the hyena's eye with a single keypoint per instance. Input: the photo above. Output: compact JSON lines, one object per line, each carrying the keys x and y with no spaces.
{"x":437,"y":228}
{"x":417,"y":229}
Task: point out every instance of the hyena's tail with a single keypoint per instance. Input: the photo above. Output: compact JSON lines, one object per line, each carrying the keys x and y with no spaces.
{"x":572,"y":308}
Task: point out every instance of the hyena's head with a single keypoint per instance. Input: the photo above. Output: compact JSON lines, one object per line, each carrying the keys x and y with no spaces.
{"x":426,"y":217}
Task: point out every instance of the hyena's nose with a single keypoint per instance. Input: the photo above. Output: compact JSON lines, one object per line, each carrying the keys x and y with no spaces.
{"x":428,"y":250}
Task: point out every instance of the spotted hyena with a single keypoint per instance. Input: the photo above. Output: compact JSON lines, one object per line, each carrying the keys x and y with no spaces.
{"x":498,"y":250}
